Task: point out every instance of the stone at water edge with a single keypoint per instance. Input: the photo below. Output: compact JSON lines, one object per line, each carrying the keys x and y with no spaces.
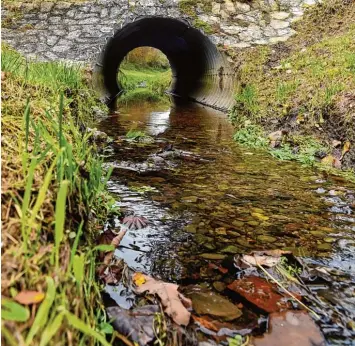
{"x":206,"y":302}
{"x":290,"y":328}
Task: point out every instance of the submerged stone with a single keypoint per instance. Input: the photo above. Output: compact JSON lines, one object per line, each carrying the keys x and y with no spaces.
{"x":266,"y":239}
{"x":232,"y":249}
{"x":213,"y":256}
{"x":209,"y":303}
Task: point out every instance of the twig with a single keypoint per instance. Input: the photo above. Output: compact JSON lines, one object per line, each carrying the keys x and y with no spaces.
{"x":288,"y":292}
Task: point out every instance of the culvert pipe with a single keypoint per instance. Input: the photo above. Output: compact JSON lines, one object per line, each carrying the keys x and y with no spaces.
{"x":200,"y":72}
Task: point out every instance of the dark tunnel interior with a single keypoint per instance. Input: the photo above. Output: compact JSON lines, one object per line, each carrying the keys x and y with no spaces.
{"x":199,"y":71}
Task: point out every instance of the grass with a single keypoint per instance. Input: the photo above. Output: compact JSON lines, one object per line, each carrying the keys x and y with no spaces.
{"x":143,"y":84}
{"x":306,"y":80}
{"x":52,"y":183}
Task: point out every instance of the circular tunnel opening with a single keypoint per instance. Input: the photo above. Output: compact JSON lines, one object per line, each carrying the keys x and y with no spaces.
{"x":199,"y":71}
{"x":144,"y":75}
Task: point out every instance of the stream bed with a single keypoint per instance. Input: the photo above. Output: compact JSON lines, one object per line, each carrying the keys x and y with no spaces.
{"x":207,"y":200}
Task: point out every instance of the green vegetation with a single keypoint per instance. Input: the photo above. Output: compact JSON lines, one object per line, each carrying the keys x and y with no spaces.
{"x":135,"y":134}
{"x":52,"y":183}
{"x":304,"y":85}
{"x":144,"y":76}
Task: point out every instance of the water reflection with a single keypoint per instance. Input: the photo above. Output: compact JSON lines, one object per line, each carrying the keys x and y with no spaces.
{"x":207,"y":198}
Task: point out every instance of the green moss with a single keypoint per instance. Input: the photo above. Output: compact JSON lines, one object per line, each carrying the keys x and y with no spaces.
{"x":204,"y":26}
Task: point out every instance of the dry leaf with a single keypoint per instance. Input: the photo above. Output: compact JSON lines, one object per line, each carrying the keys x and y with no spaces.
{"x":117,"y":240}
{"x":264,"y":258}
{"x":29,"y":297}
{"x":172,"y":301}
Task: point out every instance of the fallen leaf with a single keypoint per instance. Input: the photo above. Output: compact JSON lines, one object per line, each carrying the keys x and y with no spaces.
{"x":346,"y":148}
{"x":259,"y":292}
{"x":268,"y":258}
{"x":290,"y":328}
{"x":135,"y":222}
{"x":137,"y":324}
{"x":173,"y":302}
{"x":117,"y":240}
{"x":330,"y":160}
{"x":29,"y":297}
{"x":255,"y":260}
{"x":138,"y":279}
{"x":205,"y":323}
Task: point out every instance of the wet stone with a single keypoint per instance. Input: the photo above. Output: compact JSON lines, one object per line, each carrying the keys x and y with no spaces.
{"x":324,"y":246}
{"x":213,"y":256}
{"x":213,"y":304}
{"x":266,"y":239}
{"x":219,"y":286}
{"x":318,"y":234}
{"x":232,"y":249}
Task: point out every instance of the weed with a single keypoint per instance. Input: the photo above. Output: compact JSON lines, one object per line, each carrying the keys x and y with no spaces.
{"x":135,"y":134}
{"x":251,"y":135}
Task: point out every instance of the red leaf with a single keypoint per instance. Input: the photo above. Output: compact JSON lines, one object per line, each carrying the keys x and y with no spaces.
{"x":29,"y":297}
{"x":260,"y":293}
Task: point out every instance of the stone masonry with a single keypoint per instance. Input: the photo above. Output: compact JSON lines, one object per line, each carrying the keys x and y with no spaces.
{"x":78,"y":31}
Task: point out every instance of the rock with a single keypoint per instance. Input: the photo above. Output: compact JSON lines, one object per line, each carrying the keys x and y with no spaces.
{"x":232,"y":249}
{"x":259,"y":292}
{"x":244,"y":242}
{"x":260,"y":216}
{"x":216,"y":8}
{"x":219,"y":286}
{"x":279,"y":24}
{"x":206,"y":302}
{"x":266,"y":239}
{"x":291,"y":328}
{"x":220,"y":231}
{"x":213,"y":256}
{"x":279,"y":15}
{"x":242,"y":7}
{"x":318,"y":234}
{"x":324,"y":246}
{"x":190,"y":228}
{"x":189,"y":199}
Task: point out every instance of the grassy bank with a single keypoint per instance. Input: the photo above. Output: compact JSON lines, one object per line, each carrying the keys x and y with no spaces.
{"x":52,"y":186}
{"x":303,"y":88}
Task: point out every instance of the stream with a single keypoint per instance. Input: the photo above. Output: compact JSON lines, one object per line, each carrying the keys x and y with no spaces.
{"x":206,"y":199}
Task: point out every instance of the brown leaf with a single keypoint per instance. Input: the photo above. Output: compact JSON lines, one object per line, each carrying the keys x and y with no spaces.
{"x":291,"y":328}
{"x":29,"y":297}
{"x":170,"y":298}
{"x":330,"y":160}
{"x":117,"y":240}
{"x":259,"y":292}
{"x":205,"y":323}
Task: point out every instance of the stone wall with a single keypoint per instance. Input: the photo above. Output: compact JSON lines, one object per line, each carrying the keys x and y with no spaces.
{"x":78,"y":31}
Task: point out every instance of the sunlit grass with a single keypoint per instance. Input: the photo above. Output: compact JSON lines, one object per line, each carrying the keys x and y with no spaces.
{"x":51,"y":181}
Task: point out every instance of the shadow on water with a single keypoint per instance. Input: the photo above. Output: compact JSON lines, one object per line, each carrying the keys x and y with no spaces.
{"x":207,"y":199}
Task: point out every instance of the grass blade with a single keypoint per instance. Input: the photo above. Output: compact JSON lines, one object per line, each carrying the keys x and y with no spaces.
{"x":26,"y":201}
{"x":51,"y":329}
{"x":75,"y":245}
{"x":78,"y":267}
{"x":84,"y":328}
{"x":42,"y":193}
{"x":43,"y":311}
{"x":60,"y":217}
